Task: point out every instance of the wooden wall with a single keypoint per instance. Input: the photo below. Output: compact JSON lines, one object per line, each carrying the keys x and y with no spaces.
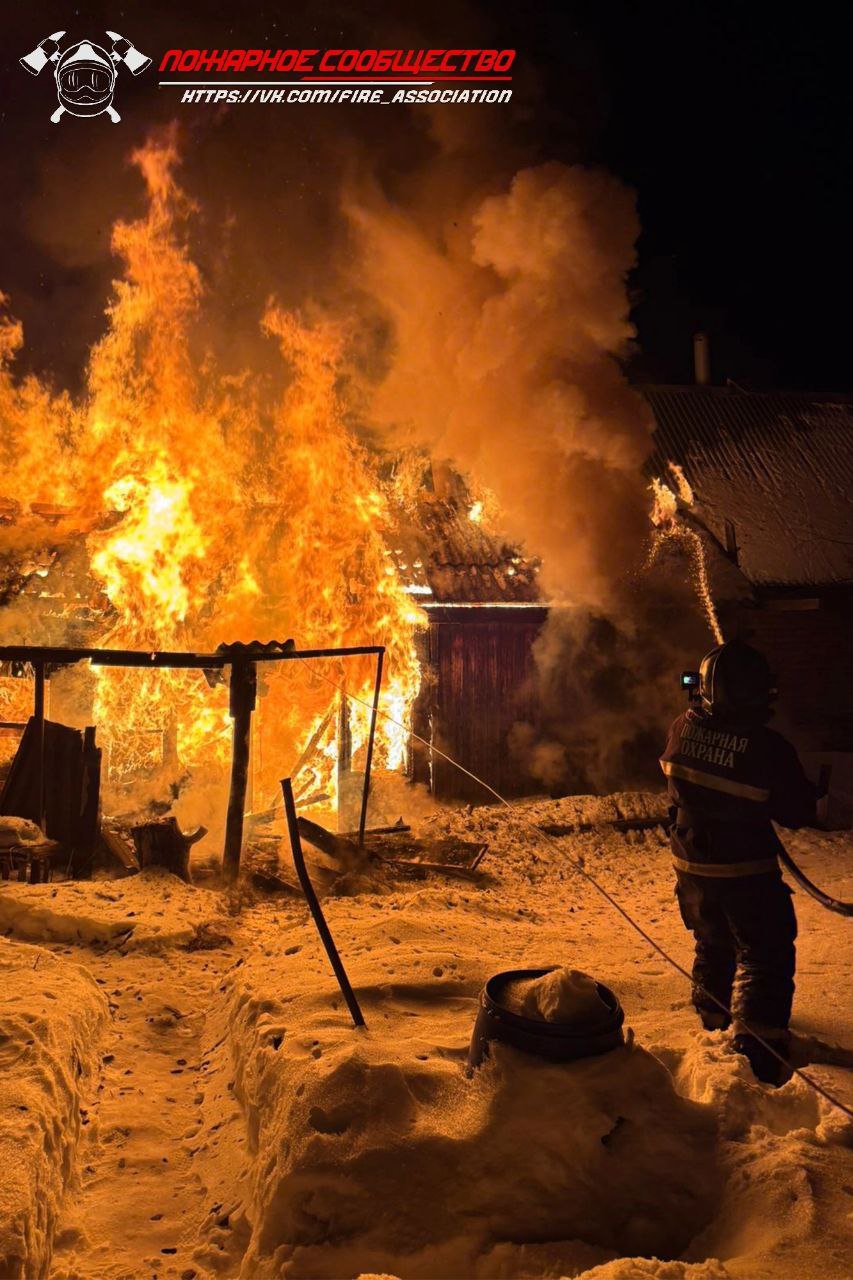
{"x":479,"y":669}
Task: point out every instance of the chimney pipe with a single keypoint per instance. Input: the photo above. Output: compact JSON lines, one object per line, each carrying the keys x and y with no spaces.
{"x":701,"y":359}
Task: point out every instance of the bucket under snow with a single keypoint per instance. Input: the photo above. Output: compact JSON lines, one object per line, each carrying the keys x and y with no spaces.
{"x":557,"y":1014}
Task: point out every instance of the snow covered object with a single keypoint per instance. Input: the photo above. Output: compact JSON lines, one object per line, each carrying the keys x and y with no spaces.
{"x":559,"y":1014}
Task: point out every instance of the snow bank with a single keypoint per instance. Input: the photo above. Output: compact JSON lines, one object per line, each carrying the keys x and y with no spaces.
{"x":654,"y":1269}
{"x":51,"y":1016}
{"x":580,"y":811}
{"x":148,"y":911}
{"x":515,"y":847}
{"x":787,"y":1158}
{"x":375,"y":1153}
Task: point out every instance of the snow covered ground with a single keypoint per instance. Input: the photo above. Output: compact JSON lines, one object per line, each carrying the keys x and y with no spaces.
{"x":150,"y":912}
{"x":51,"y":1016}
{"x":241,"y":1127}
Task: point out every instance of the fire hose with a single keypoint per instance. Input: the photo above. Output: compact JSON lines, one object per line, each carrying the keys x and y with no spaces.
{"x":831,"y":904}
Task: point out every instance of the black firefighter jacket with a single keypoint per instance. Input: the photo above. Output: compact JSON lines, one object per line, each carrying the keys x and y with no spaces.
{"x":728,"y":783}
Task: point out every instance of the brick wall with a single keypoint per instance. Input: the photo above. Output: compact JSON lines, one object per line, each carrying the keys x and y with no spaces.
{"x":811,"y":651}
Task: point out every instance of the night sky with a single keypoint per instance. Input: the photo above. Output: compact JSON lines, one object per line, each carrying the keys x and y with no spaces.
{"x":731,"y":122}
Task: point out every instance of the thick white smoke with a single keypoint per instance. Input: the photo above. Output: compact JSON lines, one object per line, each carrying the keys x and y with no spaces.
{"x":507,"y":322}
{"x":507,"y":327}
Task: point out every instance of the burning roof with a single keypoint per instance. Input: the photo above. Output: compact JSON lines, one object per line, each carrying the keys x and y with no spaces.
{"x":446,"y":555}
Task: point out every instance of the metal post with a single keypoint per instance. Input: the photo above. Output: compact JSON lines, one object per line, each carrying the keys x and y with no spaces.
{"x":244,"y":688}
{"x":346,"y":820}
{"x":380,"y":658}
{"x":38,"y":717}
{"x":314,"y":905}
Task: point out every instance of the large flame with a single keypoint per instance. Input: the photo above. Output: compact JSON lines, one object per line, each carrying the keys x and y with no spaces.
{"x":218,"y":518}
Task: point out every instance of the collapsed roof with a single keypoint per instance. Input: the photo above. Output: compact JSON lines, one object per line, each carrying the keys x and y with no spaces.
{"x":445,"y":555}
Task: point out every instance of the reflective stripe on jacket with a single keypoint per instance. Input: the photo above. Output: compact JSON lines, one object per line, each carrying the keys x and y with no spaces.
{"x":728,"y":784}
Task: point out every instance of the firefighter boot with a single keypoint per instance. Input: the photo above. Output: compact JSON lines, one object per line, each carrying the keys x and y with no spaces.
{"x":765,"y":1066}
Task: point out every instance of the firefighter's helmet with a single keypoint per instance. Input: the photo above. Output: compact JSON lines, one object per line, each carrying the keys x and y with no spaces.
{"x":85,"y":79}
{"x":736,"y":680}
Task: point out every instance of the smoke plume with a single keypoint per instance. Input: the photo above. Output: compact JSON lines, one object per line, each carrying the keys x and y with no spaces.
{"x":507,"y":325}
{"x":507,"y":328}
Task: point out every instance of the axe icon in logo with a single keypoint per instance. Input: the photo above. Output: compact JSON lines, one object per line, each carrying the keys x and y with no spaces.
{"x":85,"y":73}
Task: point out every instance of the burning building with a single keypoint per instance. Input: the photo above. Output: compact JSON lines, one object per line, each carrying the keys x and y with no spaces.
{"x":150,"y":513}
{"x":485,"y":608}
{"x":185,"y":506}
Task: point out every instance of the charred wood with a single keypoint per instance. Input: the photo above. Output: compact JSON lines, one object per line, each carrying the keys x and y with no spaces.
{"x":163,"y":844}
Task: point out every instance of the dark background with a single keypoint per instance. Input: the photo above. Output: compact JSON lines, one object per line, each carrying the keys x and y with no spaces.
{"x":731,"y":122}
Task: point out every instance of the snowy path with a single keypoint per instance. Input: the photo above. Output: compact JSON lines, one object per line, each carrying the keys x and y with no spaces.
{"x":143,"y":1199}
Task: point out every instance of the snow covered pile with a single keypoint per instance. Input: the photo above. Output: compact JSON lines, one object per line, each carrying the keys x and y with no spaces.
{"x":51,"y":1016}
{"x":517,"y":847}
{"x":579,"y":811}
{"x":148,"y":911}
{"x":563,"y":995}
{"x":654,"y":1269}
{"x":15,"y":831}
{"x":788,"y":1161}
{"x":375,"y":1152}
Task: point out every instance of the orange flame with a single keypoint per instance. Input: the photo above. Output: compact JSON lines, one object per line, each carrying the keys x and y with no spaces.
{"x":222,"y":520}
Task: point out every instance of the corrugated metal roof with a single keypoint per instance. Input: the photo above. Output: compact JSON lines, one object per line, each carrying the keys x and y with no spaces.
{"x":440,"y":550}
{"x":778,"y":465}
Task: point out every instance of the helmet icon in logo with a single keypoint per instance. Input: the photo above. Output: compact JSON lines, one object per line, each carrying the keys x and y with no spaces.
{"x":85,"y":82}
{"x":85,"y":73}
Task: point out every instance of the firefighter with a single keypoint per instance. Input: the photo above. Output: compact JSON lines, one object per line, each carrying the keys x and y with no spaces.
{"x":729,"y":778}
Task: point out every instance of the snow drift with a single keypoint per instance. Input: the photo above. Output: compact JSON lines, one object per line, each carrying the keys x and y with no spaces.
{"x":146,"y":912}
{"x":375,"y":1152}
{"x":51,"y":1016}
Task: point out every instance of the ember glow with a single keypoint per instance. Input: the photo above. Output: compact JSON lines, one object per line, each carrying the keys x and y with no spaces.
{"x":211,"y":514}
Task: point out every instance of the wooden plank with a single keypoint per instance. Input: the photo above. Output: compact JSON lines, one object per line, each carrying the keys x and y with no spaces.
{"x":119,"y":846}
{"x":617,"y":824}
{"x":87,"y":820}
{"x":446,"y":852}
{"x":435,"y":868}
{"x":484,"y":683}
{"x":72,"y":769}
{"x":346,"y":853}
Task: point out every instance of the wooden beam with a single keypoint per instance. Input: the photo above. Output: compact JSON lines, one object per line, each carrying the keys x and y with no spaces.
{"x":244,"y":691}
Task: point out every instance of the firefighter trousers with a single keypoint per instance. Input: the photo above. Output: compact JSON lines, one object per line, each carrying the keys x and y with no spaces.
{"x":745,"y":928}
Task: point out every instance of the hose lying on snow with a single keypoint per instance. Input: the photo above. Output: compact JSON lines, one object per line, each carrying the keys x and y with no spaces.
{"x":831,"y":904}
